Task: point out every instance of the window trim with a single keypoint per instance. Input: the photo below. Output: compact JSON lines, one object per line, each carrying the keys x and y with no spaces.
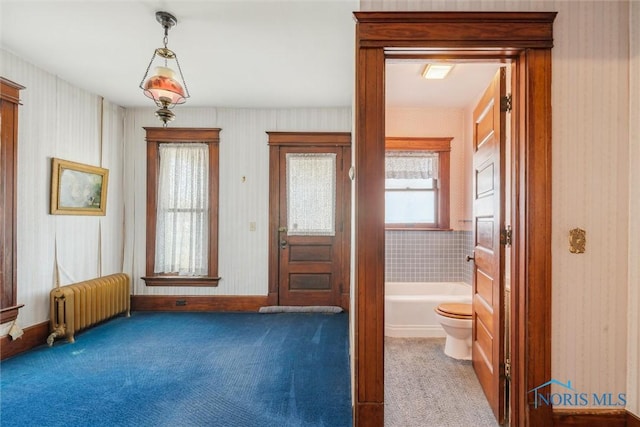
{"x":9,"y":103}
{"x":156,"y":136}
{"x":441,"y":145}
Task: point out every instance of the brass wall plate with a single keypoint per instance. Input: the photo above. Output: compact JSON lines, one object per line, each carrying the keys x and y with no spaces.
{"x":577,"y":240}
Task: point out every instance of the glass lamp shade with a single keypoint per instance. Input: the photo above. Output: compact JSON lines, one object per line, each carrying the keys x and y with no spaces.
{"x":163,"y":88}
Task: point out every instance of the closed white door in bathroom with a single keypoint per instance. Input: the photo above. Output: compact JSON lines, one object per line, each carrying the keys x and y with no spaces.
{"x":488,"y":214}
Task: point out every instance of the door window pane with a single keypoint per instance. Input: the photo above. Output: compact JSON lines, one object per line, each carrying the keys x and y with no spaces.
{"x":311,"y":192}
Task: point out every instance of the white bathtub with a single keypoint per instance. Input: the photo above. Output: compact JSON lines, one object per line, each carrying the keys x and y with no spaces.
{"x":409,"y":307}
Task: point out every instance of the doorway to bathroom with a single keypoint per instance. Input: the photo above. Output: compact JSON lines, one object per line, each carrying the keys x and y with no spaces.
{"x":452,"y":133}
{"x":526,"y":38}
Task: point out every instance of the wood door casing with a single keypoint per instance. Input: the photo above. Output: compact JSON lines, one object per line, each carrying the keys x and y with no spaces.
{"x":309,"y":270}
{"x":488,"y":215}
{"x":309,"y":264}
{"x":527,"y":39}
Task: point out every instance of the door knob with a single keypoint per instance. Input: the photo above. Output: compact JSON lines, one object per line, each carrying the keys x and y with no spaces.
{"x":283,"y":244}
{"x":469,"y":258}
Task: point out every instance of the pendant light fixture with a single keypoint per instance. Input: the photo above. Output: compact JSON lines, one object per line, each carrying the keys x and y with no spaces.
{"x":165,"y":86}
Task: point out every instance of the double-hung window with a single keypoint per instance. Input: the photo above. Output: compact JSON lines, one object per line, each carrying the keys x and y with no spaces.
{"x":182,"y":207}
{"x":417,"y":183}
{"x":182,"y":211}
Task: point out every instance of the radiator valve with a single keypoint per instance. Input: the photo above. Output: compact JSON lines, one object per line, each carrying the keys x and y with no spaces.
{"x":57,"y":332}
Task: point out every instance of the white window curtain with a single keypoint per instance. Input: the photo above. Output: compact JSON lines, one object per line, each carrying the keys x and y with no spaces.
{"x":183,"y":210}
{"x":411,"y":165}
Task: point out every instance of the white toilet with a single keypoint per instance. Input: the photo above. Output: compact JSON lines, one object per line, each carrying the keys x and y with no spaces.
{"x":455,"y":319}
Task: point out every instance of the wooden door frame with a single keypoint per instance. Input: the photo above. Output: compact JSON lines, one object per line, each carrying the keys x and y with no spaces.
{"x":306,"y":139}
{"x":526,"y":38}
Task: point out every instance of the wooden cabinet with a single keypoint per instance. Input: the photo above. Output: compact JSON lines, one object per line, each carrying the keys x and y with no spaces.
{"x":9,"y":102}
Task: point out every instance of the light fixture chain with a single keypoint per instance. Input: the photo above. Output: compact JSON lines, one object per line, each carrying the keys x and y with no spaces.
{"x":186,"y":89}
{"x":165,"y":40}
{"x":148,"y":67}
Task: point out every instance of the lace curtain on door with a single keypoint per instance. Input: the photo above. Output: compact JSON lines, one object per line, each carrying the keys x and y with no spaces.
{"x":311,"y":194}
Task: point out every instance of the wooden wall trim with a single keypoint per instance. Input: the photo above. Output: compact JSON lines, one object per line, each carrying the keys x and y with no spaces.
{"x":444,"y":198}
{"x":197,"y":303}
{"x":162,"y":134}
{"x":373,"y":413}
{"x":155,"y":137}
{"x":590,"y":417}
{"x":369,"y":237}
{"x":404,"y":17}
{"x":10,"y":313}
{"x":401,"y":143}
{"x":10,"y":90}
{"x":33,"y":337}
{"x":345,"y":297}
{"x":452,"y":29}
{"x":310,"y":138}
{"x":9,"y":102}
{"x":632,"y":420}
{"x":274,"y":224}
{"x":518,"y":392}
{"x":535,"y":230}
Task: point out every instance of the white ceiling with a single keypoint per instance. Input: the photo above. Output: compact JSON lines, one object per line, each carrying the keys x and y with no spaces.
{"x":242,"y":53}
{"x":405,"y":86}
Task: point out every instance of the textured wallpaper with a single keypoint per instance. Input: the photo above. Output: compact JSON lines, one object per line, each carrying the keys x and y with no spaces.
{"x":243,"y":254}
{"x":57,"y":119}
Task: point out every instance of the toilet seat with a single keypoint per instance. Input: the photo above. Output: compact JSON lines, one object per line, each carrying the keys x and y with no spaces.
{"x":454,"y":310}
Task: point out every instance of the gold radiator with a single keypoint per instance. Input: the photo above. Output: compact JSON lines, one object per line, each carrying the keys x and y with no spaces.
{"x":81,"y":305}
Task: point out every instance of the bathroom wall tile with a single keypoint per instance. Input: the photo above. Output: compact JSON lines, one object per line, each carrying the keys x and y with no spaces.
{"x":428,"y":256}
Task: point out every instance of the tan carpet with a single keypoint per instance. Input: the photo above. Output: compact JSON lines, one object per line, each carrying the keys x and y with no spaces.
{"x":424,"y":387}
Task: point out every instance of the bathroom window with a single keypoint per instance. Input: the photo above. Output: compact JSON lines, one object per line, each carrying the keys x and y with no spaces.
{"x":417,"y":183}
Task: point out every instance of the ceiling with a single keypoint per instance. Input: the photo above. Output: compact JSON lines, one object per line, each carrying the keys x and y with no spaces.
{"x":242,"y":53}
{"x":405,"y":86}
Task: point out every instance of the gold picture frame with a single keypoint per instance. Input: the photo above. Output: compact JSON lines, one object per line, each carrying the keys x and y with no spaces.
{"x":78,"y":189}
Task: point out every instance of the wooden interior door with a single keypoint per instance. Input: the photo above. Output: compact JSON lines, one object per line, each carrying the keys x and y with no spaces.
{"x":488,"y":214}
{"x":310,"y":214}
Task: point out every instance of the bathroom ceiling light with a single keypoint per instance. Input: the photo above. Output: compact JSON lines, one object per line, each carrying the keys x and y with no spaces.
{"x":436,"y":71}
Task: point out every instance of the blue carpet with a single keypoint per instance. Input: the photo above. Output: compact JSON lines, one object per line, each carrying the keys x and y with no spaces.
{"x":186,"y":369}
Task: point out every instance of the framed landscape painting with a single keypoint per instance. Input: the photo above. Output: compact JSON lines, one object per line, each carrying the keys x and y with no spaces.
{"x":78,"y":189}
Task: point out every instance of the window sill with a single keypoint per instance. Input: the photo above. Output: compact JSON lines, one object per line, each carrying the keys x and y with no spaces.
{"x":10,"y":313}
{"x":181,"y":281}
